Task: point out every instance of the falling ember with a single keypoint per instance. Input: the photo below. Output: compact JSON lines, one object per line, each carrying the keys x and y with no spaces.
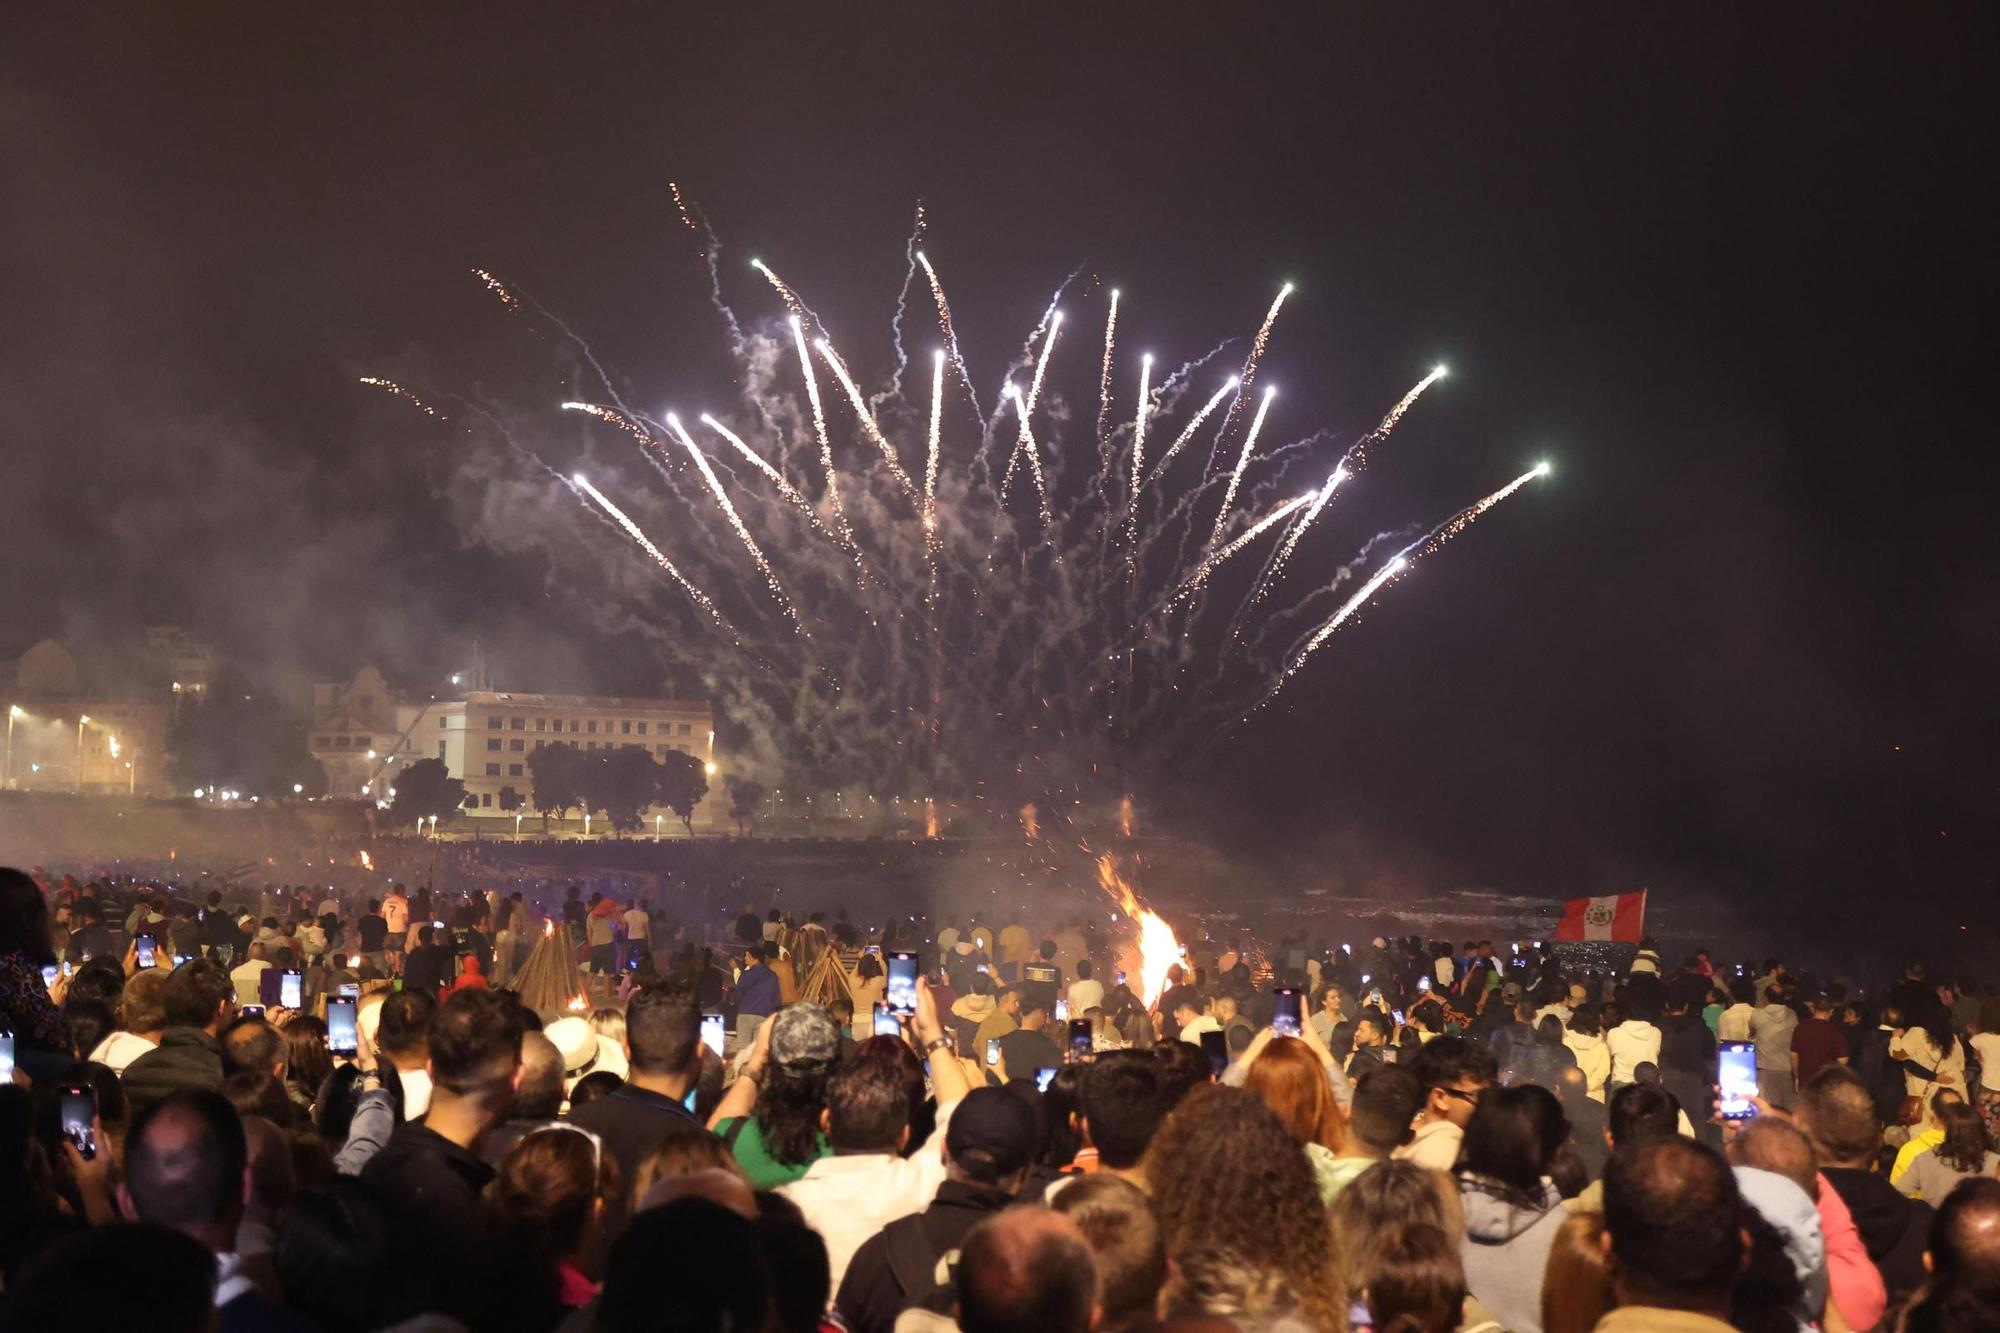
{"x":499,"y":289}
{"x":366,"y":864}
{"x":840,"y":526}
{"x":1159,"y":947}
{"x":390,"y":386}
{"x":616,"y":418}
{"x":777,"y":478}
{"x":944,"y":324}
{"x":1025,"y":441}
{"x":701,"y":598}
{"x":785,"y":294}
{"x":1125,"y":816}
{"x":930,"y":818}
{"x":1031,"y":821}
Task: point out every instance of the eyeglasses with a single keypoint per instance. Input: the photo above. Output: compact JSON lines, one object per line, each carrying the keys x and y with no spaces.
{"x":1469,"y":1096}
{"x":564,"y":1127}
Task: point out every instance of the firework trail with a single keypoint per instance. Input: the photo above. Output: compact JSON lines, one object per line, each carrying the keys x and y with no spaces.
{"x":499,"y":289}
{"x":613,"y":416}
{"x":1256,"y":530}
{"x":950,"y":334}
{"x":1357,"y":457}
{"x":777,"y":478}
{"x":1236,"y":474}
{"x":1024,"y":442}
{"x":407,"y":395}
{"x":699,"y":597}
{"x":1402,"y":560}
{"x":785,"y":294}
{"x":840,"y":526}
{"x":1187,"y":431}
{"x":867,"y":419}
{"x":931,"y":465}
{"x":736,"y":521}
{"x":1104,"y":384}
{"x":1248,"y":375}
{"x":1138,"y":463}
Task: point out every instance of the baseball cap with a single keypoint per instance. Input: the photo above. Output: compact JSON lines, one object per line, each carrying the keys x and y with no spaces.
{"x":993,"y":1134}
{"x":804,"y":1034}
{"x":1511,"y":993}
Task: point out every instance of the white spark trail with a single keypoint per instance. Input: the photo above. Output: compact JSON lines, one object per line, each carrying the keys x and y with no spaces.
{"x":1208,"y":566}
{"x":840,"y":524}
{"x":785,"y":488}
{"x":1104,"y":382}
{"x":1138,"y":464}
{"x":700,"y":598}
{"x":1242,"y":462}
{"x":1187,"y":432}
{"x":950,"y":334}
{"x":736,"y":521}
{"x":867,"y":419}
{"x":1024,"y":441}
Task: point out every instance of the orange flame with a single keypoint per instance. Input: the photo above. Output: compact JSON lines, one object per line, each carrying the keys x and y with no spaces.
{"x":1125,"y":816}
{"x":1031,"y":822}
{"x":366,"y":864}
{"x":548,"y":928}
{"x":1159,"y":947}
{"x":578,"y":1005}
{"x":930,"y":818}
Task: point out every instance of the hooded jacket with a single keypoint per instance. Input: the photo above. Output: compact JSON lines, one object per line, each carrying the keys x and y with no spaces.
{"x":1506,"y":1249}
{"x":1593,"y":1057}
{"x":1892,"y":1227}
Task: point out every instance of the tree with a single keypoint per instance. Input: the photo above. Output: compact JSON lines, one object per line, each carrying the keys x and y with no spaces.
{"x":510,"y":800}
{"x":681,"y":784}
{"x":555,"y":775}
{"x":427,"y":790}
{"x":622,"y":783}
{"x":242,"y":740}
{"x":745,"y":799}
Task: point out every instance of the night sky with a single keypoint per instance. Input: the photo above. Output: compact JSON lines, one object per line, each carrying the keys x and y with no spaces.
{"x":1726,"y":269}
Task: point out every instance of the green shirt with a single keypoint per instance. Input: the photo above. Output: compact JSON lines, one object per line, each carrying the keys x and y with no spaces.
{"x":765,"y":1171}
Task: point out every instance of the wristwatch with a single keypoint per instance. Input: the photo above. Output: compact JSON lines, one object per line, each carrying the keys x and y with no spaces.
{"x":936,"y":1043}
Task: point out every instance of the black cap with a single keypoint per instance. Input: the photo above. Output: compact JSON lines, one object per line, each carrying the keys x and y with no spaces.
{"x":993,"y":1134}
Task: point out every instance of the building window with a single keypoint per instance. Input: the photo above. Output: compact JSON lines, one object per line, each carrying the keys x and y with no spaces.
{"x":517,"y":746}
{"x":572,"y":724}
{"x":517,"y":724}
{"x":513,"y":770}
{"x":642,"y":728}
{"x":624,"y":728}
{"x":493,"y":770}
{"x":591,"y":726}
{"x":541,"y":724}
{"x":687,"y":728}
{"x":440,"y":752}
{"x":664,"y":750}
{"x":324,"y":743}
{"x":486,"y":800}
{"x":493,"y":743}
{"x":493,"y":722}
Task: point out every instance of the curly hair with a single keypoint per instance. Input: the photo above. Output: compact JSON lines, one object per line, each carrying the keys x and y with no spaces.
{"x":1292,"y":1082}
{"x":789,"y":1103}
{"x":1235,"y":1193}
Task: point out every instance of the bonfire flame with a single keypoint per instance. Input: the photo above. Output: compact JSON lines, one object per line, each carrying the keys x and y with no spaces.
{"x":930,"y":818}
{"x":366,"y":864}
{"x":1031,"y":821}
{"x":1159,"y":948}
{"x":578,"y":1005}
{"x":548,"y":927}
{"x":1125,"y":816}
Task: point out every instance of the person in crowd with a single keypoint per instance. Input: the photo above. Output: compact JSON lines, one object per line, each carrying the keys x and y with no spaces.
{"x":248,"y":975}
{"x":1585,"y":1038}
{"x":1512,"y":1211}
{"x":1775,"y":1145}
{"x":1672,"y":1221}
{"x":1633,"y":1041}
{"x":446,"y":1254}
{"x":308,"y":1062}
{"x":1386,"y":1101}
{"x":199,"y":1002}
{"x":1576,"y":1286}
{"x":1026,"y":1270}
{"x":1964,"y":1151}
{"x":1241,"y":1212}
{"x":1086,"y":992}
{"x":758,"y":993}
{"x":989,"y":1148}
{"x":551,"y":1191}
{"x":1455,"y":1073}
{"x":1122,"y":1098}
{"x":1838,"y":1114}
{"x":333,"y":1247}
{"x":1395,"y":1230}
{"x":1288,"y":1075}
{"x":399,"y":1026}
{"x":1932,"y":1056}
{"x":26,"y":947}
{"x":770,"y":1117}
{"x":141,"y":1021}
{"x":538,"y":1097}
{"x":663,"y":1049}
{"x":1817,"y":1041}
{"x":1926,"y":1134}
{"x":185,"y":1164}
{"x":1130,"y":1253}
{"x":1028,"y":1048}
{"x":866,"y":1181}
{"x":1638,"y":1111}
{"x":165,"y":1283}
{"x":1773,"y":1026}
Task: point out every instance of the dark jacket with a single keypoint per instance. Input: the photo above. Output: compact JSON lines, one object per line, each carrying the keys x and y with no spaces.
{"x":1687,"y":1063}
{"x":906,"y":1260}
{"x":1892,"y":1228}
{"x":185,"y":1058}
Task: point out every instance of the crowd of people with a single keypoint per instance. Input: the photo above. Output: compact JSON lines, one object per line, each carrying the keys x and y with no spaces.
{"x":727,"y":1134}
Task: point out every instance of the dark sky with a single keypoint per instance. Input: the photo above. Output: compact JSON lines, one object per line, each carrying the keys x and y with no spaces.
{"x":1728,"y":272}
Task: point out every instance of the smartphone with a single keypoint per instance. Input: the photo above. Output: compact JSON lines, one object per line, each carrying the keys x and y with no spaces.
{"x":885,"y":1024}
{"x":340,"y":1034}
{"x":1044,"y":1077}
{"x":992,"y":1051}
{"x":1423,"y":983}
{"x":142,"y":946}
{"x":1062,"y":1011}
{"x":1121,"y":978}
{"x":69,"y":969}
{"x":1397,"y":1014}
{"x":902,"y":986}
{"x":49,"y":975}
{"x":1038,"y":972}
{"x":251,"y":1010}
{"x":6,"y":1055}
{"x":983,"y":969}
{"x":350,"y":990}
{"x":1285,"y":1011}
{"x":1216,"y":1047}
{"x":79,"y":1111}
{"x":1737,"y":1076}
{"x":270,"y":987}
{"x":711,"y":1033}
{"x":290,"y":989}
{"x":179,"y":959}
{"x":1080,"y":1044}
{"x":875,"y":949}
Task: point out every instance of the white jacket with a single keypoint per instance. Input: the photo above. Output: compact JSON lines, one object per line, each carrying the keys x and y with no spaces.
{"x":1592,"y":1057}
{"x":1632,"y":1043}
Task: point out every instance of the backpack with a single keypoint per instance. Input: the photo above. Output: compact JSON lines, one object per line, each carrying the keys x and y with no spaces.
{"x":917,"y":1270}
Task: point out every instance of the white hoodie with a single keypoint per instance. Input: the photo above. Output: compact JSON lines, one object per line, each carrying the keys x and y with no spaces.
{"x":1592,"y":1057}
{"x":1633,"y":1043}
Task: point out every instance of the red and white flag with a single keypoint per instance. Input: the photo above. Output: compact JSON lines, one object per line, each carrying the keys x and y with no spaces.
{"x":1617,"y":916}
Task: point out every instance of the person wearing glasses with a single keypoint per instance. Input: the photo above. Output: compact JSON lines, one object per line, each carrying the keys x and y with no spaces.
{"x":1455,"y":1073}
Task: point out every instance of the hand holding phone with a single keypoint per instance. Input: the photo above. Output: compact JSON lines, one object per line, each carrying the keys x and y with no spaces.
{"x":901,"y":990}
{"x":79,"y":1118}
{"x":1736,"y":1068}
{"x":886,"y":1023}
{"x":144,"y":949}
{"x":341,"y":1038}
{"x":712,"y":1033}
{"x":1287,"y":1011}
{"x":290,"y":987}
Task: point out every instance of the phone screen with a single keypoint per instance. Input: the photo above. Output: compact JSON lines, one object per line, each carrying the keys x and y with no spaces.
{"x":270,"y":986}
{"x":1044,"y":1077}
{"x":350,"y":990}
{"x":711,"y":1033}
{"x":1737,"y":1070}
{"x":885,"y":1021}
{"x":6,"y":1055}
{"x":143,"y":947}
{"x":1285,"y":1011}
{"x":1216,"y":1047}
{"x":902,"y":986}
{"x":49,"y":975}
{"x":79,"y":1109}
{"x":251,"y":1011}
{"x":340,"y":1038}
{"x":289,"y":989}
{"x":1423,"y":983}
{"x":992,"y":1051}
{"x":1079,"y":1039}
{"x":1062,"y":1011}
{"x":1397,"y":1014}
